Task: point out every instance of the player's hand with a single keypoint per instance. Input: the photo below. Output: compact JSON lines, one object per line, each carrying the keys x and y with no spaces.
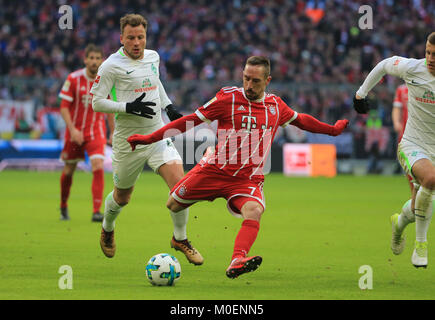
{"x":361,"y":105}
{"x":136,"y":139}
{"x":339,"y":126}
{"x":77,"y":136}
{"x":172,"y":113}
{"x":140,"y":108}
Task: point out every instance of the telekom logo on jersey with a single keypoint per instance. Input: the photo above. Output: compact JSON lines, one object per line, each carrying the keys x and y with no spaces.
{"x":247,"y":146}
{"x":250,"y":123}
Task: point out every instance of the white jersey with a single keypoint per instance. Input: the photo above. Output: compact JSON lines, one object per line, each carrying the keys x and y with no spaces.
{"x":124,"y":80}
{"x":420,"y":128}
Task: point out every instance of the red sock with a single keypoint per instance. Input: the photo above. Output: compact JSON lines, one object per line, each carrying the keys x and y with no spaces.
{"x":65,"y":187}
{"x":245,"y":238}
{"x":97,"y":189}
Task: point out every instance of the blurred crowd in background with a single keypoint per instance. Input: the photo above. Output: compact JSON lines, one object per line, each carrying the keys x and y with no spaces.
{"x":319,"y":55}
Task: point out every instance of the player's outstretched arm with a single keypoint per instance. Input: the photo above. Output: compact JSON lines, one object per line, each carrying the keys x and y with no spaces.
{"x":395,"y":66}
{"x":311,"y":124}
{"x":171,"y":129}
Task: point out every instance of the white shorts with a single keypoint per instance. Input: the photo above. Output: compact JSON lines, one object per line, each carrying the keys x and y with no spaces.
{"x":409,"y":153}
{"x":127,"y":166}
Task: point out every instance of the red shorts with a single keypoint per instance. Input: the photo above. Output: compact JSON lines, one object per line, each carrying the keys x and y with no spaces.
{"x":72,"y":152}
{"x":208,"y":183}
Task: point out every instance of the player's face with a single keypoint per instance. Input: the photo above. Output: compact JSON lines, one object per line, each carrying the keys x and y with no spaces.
{"x":134,"y":40}
{"x":255,"y":81}
{"x":93,"y":61}
{"x":430,"y":57}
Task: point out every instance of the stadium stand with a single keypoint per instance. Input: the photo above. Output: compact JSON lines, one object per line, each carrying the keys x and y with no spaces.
{"x":319,"y":54}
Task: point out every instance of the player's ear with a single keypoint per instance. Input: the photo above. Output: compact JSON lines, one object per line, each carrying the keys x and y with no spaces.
{"x":268,"y":80}
{"x":120,"y":39}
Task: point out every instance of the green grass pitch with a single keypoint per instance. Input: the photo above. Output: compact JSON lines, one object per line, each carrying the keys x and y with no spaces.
{"x":315,"y":235}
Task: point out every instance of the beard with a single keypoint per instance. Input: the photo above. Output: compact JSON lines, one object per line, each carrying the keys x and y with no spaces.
{"x":251,"y":95}
{"x":134,"y":55}
{"x":93,"y":69}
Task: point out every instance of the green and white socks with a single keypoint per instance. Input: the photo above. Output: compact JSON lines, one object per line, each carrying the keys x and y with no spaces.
{"x":111,"y":211}
{"x":423,"y":209}
{"x":423,"y":213}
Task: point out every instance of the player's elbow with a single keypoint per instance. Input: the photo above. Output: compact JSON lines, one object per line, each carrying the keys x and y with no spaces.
{"x":96,"y":104}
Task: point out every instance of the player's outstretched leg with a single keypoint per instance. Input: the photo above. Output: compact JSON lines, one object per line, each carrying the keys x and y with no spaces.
{"x":242,"y":265}
{"x":244,"y":240}
{"x":192,"y":255}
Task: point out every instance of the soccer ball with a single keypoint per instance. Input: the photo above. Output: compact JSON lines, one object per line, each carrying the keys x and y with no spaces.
{"x":163,"y":270}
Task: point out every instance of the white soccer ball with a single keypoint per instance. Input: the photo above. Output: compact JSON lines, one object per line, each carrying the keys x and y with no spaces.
{"x":163,"y":269}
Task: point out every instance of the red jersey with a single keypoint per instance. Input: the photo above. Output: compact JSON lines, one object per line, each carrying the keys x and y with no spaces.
{"x":246,"y":130}
{"x":76,"y":96}
{"x":401,"y":101}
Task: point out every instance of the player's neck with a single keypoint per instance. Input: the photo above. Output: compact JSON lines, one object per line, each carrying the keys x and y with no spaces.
{"x":90,"y":75}
{"x":260,"y":99}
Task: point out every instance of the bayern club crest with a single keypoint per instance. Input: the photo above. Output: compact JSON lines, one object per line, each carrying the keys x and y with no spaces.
{"x":182,"y":191}
{"x":272,"y":110}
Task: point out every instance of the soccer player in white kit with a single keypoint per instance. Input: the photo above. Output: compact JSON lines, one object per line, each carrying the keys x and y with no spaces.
{"x":131,"y":78}
{"x":416,"y":151}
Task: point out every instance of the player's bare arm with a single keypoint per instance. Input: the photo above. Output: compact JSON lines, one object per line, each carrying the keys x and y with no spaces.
{"x":76,"y":135}
{"x":396,"y":116}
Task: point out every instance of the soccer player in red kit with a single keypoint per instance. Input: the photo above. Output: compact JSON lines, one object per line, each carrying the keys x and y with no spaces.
{"x":85,"y":131}
{"x":248,"y":118}
{"x":399,"y":116}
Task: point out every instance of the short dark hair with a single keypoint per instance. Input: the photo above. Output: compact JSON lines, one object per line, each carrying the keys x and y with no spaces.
{"x":133,"y":20}
{"x":431,"y":38}
{"x":260,"y":61}
{"x":93,"y":48}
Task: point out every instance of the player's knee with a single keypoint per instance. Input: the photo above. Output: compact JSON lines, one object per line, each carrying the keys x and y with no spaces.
{"x":97,"y":164}
{"x":68,"y":173}
{"x":428,"y":181}
{"x":68,"y":170}
{"x":173,"y":205}
{"x":252,"y":210}
{"x":121,"y":199}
